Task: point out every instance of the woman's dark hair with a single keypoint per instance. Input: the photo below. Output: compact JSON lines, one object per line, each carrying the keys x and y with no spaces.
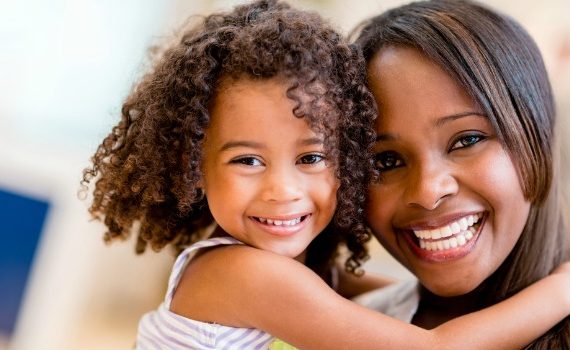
{"x":147,"y":170}
{"x":500,"y":66}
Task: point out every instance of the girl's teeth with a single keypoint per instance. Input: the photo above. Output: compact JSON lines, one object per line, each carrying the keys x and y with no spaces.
{"x":280,"y":222}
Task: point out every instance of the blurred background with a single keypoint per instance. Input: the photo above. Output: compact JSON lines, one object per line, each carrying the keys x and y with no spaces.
{"x":65,"y":67}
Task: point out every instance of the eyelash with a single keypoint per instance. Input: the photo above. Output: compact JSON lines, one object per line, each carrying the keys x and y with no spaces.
{"x":380,"y":158}
{"x":465,"y":141}
{"x":246,"y":160}
{"x":478,"y":138}
{"x":303,"y":159}
{"x":306,"y":159}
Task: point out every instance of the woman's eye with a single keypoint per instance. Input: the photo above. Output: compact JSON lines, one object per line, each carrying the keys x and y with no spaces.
{"x":467,"y":141}
{"x":249,"y":161}
{"x":311,"y":158}
{"x":385,"y":161}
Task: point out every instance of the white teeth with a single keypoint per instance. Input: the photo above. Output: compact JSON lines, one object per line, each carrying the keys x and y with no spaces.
{"x":459,"y":232}
{"x":446,"y":231}
{"x":435,"y":234}
{"x":456,"y":241}
{"x":439,"y":245}
{"x":461,"y":240}
{"x":280,"y":222}
{"x":453,"y":242}
{"x":455,"y":228}
{"x":451,"y":229}
{"x":463,"y":224}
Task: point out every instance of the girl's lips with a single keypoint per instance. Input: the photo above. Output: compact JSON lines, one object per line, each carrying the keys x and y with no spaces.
{"x":447,"y":248}
{"x":283,"y":226}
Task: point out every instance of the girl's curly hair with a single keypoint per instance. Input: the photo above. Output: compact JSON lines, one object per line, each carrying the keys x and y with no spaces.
{"x":146,"y":171}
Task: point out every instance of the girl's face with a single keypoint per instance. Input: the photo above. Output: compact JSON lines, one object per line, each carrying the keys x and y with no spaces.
{"x":449,"y":205}
{"x":264,"y":170}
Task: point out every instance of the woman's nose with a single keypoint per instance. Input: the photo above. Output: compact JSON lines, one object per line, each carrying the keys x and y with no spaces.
{"x":429,"y":185}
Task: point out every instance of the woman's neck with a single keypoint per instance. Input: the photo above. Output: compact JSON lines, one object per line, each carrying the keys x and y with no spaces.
{"x":434,"y":310}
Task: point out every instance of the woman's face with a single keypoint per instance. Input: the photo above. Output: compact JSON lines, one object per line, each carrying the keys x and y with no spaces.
{"x":449,"y":205}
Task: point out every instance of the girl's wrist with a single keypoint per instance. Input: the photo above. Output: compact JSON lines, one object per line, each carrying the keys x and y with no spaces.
{"x":562,"y":280}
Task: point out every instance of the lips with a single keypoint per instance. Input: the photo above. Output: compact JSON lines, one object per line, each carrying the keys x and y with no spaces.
{"x":449,"y":241}
{"x":281,"y":226}
{"x":280,"y":222}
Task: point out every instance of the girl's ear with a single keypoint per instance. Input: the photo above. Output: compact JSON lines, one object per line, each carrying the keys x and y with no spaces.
{"x":201,"y":192}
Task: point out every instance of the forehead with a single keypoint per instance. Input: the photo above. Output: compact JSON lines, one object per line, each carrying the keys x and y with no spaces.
{"x":248,"y":108}
{"x":408,"y":85}
{"x":310,"y":102}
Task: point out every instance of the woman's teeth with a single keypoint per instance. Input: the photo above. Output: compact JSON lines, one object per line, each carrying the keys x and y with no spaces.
{"x":280,"y":222}
{"x":459,"y":233}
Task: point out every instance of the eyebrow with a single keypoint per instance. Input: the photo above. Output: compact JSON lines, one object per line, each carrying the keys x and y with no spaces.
{"x":311,"y":141}
{"x":236,"y":144}
{"x":252,"y":144}
{"x":453,"y":117}
{"x":439,"y":122}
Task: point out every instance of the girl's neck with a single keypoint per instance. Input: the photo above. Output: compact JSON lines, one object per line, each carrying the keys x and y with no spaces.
{"x":434,"y":310}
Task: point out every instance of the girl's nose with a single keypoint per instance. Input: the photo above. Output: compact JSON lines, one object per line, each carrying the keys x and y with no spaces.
{"x":430,"y":185}
{"x":282,"y":185}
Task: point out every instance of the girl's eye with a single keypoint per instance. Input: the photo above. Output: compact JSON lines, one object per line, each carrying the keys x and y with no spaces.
{"x":467,"y":141}
{"x":388,"y":160}
{"x":249,"y":161}
{"x":312,"y":158}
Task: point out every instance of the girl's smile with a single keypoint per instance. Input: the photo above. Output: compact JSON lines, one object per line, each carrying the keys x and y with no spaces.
{"x":265,"y":173}
{"x":448,"y":204}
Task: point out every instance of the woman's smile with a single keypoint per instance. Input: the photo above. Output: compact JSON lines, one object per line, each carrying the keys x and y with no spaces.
{"x":449,"y":241}
{"x":448,"y":203}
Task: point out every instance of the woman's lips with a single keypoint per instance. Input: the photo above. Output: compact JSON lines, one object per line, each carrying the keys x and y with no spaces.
{"x":447,"y":242}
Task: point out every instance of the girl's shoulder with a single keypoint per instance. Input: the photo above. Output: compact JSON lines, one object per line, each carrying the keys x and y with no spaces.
{"x":216,"y":283}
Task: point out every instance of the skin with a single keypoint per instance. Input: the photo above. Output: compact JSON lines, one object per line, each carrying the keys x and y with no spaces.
{"x":440,"y":160}
{"x":261,"y":161}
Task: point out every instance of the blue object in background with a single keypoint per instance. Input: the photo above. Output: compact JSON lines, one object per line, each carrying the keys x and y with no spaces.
{"x":21,"y":222}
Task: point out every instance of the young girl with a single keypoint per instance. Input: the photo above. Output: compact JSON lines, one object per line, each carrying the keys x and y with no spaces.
{"x":467,"y":128}
{"x":258,"y":121}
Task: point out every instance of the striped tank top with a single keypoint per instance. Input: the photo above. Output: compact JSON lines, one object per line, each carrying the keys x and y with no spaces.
{"x":163,"y":329}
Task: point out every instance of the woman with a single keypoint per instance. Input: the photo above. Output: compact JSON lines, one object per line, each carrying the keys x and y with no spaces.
{"x":467,"y":196}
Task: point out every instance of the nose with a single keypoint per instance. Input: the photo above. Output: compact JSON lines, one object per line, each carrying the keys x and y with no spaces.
{"x":430,"y":185}
{"x":282,"y":184}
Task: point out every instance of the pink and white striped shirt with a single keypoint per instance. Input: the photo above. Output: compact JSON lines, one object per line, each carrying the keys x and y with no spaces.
{"x":163,"y":329}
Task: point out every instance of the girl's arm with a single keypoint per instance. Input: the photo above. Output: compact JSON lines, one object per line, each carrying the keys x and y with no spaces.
{"x":246,"y":287}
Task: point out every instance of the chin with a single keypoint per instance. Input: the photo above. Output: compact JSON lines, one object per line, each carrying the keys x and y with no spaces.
{"x":451,"y":287}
